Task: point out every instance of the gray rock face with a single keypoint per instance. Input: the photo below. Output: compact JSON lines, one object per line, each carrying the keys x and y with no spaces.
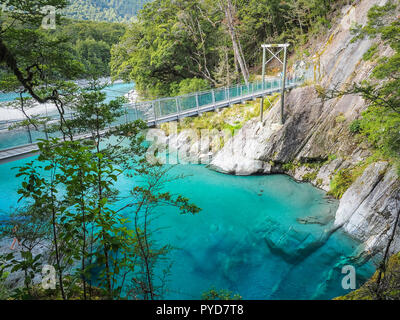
{"x":369,"y":207}
{"x":315,"y":130}
{"x":16,"y":279}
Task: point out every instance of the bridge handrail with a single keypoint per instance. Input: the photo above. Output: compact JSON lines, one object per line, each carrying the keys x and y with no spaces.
{"x":193,"y":94}
{"x":177,"y":101}
{"x":152,"y":111}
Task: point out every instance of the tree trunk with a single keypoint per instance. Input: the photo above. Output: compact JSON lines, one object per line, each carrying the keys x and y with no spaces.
{"x":227,"y":7}
{"x":382,"y":268}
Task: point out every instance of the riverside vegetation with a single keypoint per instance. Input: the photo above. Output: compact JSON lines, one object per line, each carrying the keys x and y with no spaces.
{"x":174,"y":47}
{"x":194,"y":45}
{"x":68,"y":193}
{"x":380,"y":123}
{"x":104,"y":10}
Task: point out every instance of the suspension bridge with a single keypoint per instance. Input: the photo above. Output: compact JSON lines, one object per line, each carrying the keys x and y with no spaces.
{"x":22,"y":142}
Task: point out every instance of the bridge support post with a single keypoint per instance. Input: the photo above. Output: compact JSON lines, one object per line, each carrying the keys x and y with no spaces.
{"x":263,"y":84}
{"x":155,"y":113}
{"x":159,"y":108}
{"x":281,"y":47}
{"x":178,"y":109}
{"x":262,"y":109}
{"x":197,"y":104}
{"x":283,"y":86}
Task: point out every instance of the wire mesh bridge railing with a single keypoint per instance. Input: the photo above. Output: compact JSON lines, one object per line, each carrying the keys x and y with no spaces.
{"x":153,"y":112}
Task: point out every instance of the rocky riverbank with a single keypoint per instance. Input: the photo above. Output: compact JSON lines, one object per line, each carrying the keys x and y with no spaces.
{"x":315,"y":142}
{"x":316,"y":138}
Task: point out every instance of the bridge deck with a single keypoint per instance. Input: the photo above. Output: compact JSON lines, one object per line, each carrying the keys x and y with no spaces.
{"x":26,"y":150}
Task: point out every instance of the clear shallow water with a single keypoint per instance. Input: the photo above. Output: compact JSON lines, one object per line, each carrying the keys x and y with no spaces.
{"x":118,"y":90}
{"x":113,"y":91}
{"x":9,"y":139}
{"x":246,"y":239}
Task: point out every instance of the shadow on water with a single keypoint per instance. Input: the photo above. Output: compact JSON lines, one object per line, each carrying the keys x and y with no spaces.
{"x":264,"y":237}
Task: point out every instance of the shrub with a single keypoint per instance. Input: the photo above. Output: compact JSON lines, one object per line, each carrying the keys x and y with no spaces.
{"x":345,"y":178}
{"x":371,"y":52}
{"x":382,"y":128}
{"x":214,"y":294}
{"x":190,"y":85}
{"x":355,"y":126}
{"x":311,"y":176}
{"x":340,"y":118}
{"x":4,"y":290}
{"x":288,"y":166}
{"x":340,"y":183}
{"x":331,"y":157}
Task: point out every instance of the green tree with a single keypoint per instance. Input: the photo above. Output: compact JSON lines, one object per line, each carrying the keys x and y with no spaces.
{"x":380,"y":123}
{"x":104,"y":10}
{"x":169,"y":43}
{"x":31,"y":54}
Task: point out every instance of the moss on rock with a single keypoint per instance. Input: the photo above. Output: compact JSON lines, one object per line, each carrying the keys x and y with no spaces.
{"x":390,"y":284}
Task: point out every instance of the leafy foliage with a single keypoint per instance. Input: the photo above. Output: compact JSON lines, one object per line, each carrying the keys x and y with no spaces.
{"x":72,"y":203}
{"x":344,"y":178}
{"x":91,"y":44}
{"x":355,"y":126}
{"x":103,"y":10}
{"x":214,"y":294}
{"x":381,"y":121}
{"x":341,"y":182}
{"x":73,"y":184}
{"x":173,"y":41}
{"x":4,"y":290}
{"x":190,"y":85}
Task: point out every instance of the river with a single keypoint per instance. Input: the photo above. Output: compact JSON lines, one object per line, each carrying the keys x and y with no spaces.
{"x":250,"y":237}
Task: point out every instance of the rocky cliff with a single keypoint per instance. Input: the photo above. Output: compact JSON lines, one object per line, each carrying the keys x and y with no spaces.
{"x":317,"y":138}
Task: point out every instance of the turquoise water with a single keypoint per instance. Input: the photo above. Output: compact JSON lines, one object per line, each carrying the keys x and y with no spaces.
{"x":5,"y":97}
{"x":247,"y":238}
{"x":117,"y":90}
{"x":9,"y":139}
{"x":113,"y":91}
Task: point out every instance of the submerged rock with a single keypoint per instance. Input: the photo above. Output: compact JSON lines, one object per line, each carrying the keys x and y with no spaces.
{"x":369,"y":207}
{"x":323,"y":220}
{"x":292,"y":245}
{"x":314,"y":130}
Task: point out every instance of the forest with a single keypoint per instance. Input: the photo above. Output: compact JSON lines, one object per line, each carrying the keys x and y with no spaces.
{"x":104,"y":10}
{"x":91,"y":44}
{"x":178,"y":46}
{"x":174,"y":47}
{"x":86,"y":43}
